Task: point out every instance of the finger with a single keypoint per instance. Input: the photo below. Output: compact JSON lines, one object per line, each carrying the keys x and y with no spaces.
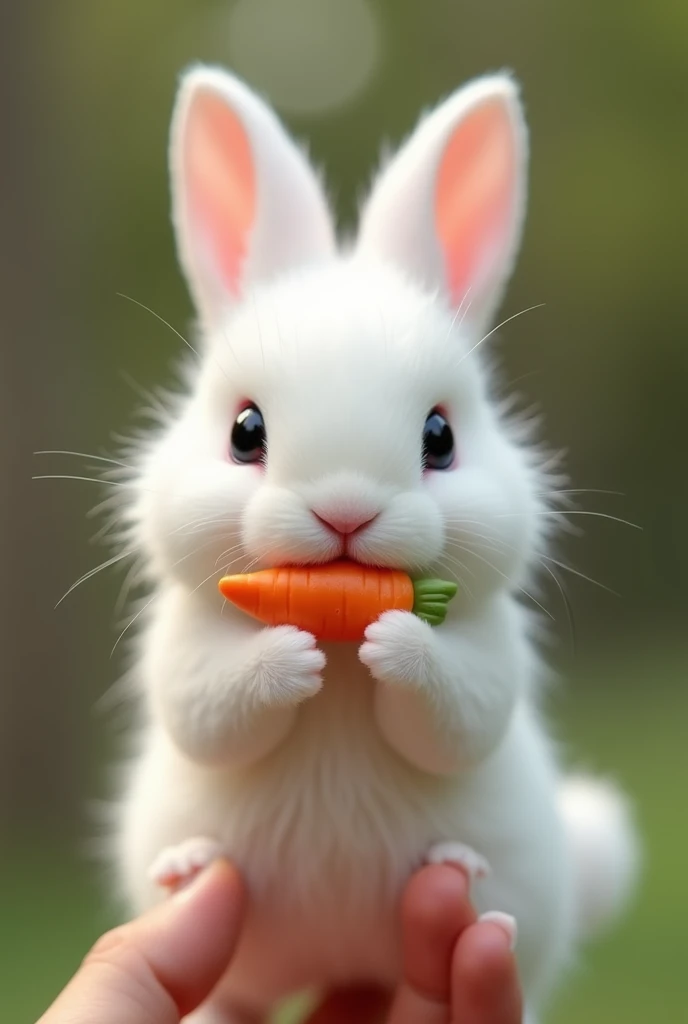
{"x":485,"y":987}
{"x":435,"y":910}
{"x":363,"y":1005}
{"x":161,"y":966}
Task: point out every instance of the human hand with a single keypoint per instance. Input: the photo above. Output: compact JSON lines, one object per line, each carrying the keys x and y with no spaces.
{"x":161,"y":966}
{"x":456,"y":970}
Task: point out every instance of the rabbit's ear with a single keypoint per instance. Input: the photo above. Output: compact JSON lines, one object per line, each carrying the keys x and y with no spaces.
{"x":449,"y":207}
{"x":246,"y":204}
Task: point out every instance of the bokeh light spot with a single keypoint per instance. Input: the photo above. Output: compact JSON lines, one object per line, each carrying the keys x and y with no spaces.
{"x":308,"y":56}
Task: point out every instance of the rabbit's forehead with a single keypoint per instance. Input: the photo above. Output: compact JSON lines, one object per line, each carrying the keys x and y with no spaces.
{"x":350,"y":374}
{"x":347,"y":336}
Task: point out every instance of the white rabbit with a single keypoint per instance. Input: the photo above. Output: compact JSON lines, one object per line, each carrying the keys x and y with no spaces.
{"x":340,"y":407}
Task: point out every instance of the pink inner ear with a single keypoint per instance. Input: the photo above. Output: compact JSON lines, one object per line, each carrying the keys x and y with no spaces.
{"x":221,"y":185}
{"x":474,"y":199}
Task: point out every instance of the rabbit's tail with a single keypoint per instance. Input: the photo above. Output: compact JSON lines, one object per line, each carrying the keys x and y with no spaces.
{"x":604,"y":847}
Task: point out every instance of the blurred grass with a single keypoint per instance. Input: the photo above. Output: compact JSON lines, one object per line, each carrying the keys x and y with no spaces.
{"x":632,"y":726}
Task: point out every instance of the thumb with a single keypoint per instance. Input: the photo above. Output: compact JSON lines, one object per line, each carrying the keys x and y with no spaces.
{"x":161,"y":966}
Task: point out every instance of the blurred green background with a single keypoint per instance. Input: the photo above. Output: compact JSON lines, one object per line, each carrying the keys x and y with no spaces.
{"x":88,"y":88}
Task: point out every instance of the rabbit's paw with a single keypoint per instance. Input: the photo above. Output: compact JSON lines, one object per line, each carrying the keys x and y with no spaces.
{"x":175,"y":866}
{"x":462,"y":856}
{"x":401,"y":648}
{"x":288,"y":666}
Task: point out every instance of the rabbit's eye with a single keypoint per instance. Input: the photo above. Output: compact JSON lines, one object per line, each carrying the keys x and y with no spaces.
{"x":438,"y":442}
{"x":249,"y":440}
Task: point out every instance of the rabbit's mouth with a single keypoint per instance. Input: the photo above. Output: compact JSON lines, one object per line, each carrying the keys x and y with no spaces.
{"x":368,"y":562}
{"x":356,"y":561}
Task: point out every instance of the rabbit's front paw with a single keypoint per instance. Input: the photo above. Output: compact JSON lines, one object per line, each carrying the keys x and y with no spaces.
{"x":399,"y":647}
{"x":474,"y":864}
{"x":177,"y":865}
{"x":288,"y":667}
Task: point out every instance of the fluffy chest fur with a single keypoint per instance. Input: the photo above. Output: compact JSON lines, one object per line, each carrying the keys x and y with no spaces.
{"x":329,"y":826}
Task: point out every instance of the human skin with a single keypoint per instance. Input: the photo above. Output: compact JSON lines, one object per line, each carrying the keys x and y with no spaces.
{"x":158,"y":968}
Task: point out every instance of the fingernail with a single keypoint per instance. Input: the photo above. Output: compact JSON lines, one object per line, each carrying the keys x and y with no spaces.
{"x":505,"y":921}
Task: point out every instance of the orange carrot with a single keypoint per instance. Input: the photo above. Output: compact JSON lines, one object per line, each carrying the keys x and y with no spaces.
{"x":336,"y":601}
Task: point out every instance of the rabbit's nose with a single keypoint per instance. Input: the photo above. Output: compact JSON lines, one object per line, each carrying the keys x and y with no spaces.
{"x":346,"y":522}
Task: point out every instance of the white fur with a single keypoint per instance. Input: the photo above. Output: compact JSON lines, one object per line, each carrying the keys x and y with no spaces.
{"x":292,"y":220}
{"x":329,"y":775}
{"x":601,"y":834}
{"x":397,"y":221}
